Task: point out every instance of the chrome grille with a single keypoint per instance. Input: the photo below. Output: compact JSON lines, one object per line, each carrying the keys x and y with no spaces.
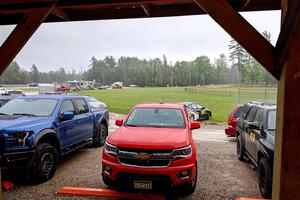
{"x":145,"y":158}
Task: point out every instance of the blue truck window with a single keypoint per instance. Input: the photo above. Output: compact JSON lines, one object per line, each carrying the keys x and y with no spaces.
{"x":67,"y":106}
{"x":82,"y":106}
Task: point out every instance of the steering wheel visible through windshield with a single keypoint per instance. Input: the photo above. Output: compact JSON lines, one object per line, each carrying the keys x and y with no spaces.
{"x":29,"y":107}
{"x":156,"y":117}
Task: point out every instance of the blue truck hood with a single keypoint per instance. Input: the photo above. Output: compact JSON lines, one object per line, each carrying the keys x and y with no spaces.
{"x":17,"y":122}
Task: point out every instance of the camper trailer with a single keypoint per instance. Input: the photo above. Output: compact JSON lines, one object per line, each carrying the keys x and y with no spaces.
{"x":81,"y":85}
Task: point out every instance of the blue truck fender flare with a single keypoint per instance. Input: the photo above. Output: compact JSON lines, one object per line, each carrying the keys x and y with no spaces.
{"x":43,"y":133}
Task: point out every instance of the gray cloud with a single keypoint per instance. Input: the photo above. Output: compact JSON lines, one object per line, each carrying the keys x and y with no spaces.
{"x":72,"y":44}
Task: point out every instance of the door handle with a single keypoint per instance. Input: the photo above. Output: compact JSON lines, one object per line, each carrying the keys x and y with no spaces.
{"x":77,"y":122}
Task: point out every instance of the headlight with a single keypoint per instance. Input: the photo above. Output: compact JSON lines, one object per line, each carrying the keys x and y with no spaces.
{"x":17,"y":138}
{"x":110,"y":149}
{"x":182,"y":152}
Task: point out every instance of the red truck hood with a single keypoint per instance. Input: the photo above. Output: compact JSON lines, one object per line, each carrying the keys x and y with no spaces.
{"x":149,"y":138}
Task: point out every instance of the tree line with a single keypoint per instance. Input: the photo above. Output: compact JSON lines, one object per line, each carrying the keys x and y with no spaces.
{"x":239,"y":68}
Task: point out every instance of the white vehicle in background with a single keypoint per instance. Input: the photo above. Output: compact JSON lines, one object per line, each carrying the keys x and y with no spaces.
{"x":117,"y":85}
{"x":94,"y":103}
{"x":47,"y":89}
{"x":2,"y":90}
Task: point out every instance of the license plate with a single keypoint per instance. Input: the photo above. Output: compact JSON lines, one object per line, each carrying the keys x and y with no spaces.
{"x":146,"y":185}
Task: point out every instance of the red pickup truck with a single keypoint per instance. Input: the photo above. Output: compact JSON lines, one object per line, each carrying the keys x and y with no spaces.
{"x":153,"y":148}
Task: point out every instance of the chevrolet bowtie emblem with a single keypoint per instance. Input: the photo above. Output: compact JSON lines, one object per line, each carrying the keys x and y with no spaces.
{"x":143,"y":156}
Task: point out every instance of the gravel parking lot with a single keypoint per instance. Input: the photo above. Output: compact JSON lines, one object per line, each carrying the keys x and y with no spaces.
{"x":221,"y":175}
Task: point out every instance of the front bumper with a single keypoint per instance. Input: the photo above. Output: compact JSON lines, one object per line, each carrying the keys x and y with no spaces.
{"x":165,"y":175}
{"x":17,"y":157}
{"x":230,"y":131}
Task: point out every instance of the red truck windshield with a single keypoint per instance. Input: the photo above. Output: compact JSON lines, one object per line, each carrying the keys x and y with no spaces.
{"x":156,"y":117}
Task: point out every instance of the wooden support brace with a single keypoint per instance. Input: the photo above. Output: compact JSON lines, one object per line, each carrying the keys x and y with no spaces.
{"x":243,"y":32}
{"x":21,"y":34}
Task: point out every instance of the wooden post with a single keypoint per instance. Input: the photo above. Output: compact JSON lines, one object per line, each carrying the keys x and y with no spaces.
{"x":286,"y":176}
{"x":0,"y":186}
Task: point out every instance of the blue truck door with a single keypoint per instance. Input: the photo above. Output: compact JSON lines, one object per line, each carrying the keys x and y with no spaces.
{"x":67,"y":128}
{"x":84,"y":120}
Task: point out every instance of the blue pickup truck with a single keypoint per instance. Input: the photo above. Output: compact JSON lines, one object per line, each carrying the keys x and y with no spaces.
{"x":36,"y":130}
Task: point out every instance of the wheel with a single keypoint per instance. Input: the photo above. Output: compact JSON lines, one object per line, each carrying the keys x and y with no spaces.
{"x":207,"y":117}
{"x":265,"y":178}
{"x":107,"y":181}
{"x":43,"y":164}
{"x":100,"y":136}
{"x":189,"y":188}
{"x":240,"y":148}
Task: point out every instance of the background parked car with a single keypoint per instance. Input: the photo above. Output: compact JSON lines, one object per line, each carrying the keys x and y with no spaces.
{"x":230,"y":131}
{"x":33,"y":84}
{"x":94,"y":103}
{"x":13,"y":93}
{"x":256,"y":142}
{"x":203,"y":112}
{"x":2,"y":90}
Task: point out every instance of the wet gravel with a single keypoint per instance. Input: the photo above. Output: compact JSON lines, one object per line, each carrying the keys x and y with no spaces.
{"x":220,"y":175}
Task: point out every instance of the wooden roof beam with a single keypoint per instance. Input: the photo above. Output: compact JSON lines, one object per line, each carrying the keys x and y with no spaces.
{"x":21,"y":34}
{"x":243,"y":32}
{"x":61,"y":14}
{"x":291,"y":22}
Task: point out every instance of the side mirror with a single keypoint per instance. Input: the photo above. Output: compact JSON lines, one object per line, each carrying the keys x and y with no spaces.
{"x":67,"y":116}
{"x":119,"y":122}
{"x":195,"y":125}
{"x":254,"y":125}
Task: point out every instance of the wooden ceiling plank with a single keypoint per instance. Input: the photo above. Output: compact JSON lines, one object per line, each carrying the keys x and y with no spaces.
{"x":20,"y":35}
{"x":243,"y":32}
{"x":290,"y":23}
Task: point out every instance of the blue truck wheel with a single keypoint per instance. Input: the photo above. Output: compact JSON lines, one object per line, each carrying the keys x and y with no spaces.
{"x":44,"y":162}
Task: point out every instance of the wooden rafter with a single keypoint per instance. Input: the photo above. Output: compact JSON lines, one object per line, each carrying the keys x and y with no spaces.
{"x":21,"y":34}
{"x":243,"y":32}
{"x":61,"y":14}
{"x":291,"y":22}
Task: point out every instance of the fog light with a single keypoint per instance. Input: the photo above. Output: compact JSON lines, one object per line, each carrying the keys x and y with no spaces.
{"x":108,"y":170}
{"x":184,"y":174}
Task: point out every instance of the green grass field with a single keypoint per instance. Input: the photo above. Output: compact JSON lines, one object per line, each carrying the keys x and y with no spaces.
{"x":220,"y":100}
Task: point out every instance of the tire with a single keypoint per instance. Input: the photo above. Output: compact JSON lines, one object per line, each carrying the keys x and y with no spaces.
{"x":207,"y":117}
{"x":189,"y":188}
{"x":265,"y":178}
{"x":43,"y":165}
{"x":240,"y":148}
{"x":100,"y":136}
{"x":107,"y":181}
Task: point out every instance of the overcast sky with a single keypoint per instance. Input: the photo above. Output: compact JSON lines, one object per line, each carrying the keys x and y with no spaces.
{"x":71,"y":45}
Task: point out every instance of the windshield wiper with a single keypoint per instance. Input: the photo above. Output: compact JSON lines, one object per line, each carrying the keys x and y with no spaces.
{"x":25,"y":114}
{"x":3,"y":114}
{"x":132,"y":125}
